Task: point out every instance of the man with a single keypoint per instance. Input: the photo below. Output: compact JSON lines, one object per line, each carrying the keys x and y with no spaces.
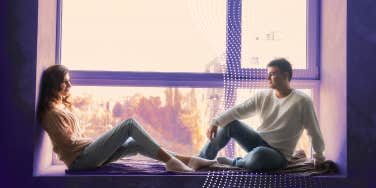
{"x":284,"y":113}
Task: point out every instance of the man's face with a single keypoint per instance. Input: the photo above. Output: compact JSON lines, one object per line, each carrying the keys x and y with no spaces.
{"x":276,"y":78}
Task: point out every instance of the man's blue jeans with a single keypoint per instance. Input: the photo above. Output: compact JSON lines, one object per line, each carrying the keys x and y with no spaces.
{"x":260,"y":156}
{"x":126,"y":139}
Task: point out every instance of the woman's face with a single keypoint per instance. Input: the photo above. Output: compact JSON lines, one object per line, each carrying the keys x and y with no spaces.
{"x":65,"y":86}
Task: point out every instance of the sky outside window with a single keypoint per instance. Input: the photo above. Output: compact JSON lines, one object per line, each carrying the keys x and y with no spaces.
{"x":273,"y":29}
{"x":143,"y":35}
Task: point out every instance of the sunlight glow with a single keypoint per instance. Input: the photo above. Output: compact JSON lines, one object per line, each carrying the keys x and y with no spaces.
{"x":142,"y":35}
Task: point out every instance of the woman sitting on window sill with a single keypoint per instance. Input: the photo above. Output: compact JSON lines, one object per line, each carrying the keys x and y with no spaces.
{"x":55,"y":115}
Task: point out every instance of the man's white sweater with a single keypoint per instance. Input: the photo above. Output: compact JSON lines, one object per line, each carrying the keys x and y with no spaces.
{"x":282,"y":120}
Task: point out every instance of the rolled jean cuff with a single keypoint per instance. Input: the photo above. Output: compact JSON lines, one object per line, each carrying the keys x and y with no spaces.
{"x":238,"y":161}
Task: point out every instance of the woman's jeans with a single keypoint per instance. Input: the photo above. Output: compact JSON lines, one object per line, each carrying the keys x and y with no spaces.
{"x":127,"y":138}
{"x":260,"y":156}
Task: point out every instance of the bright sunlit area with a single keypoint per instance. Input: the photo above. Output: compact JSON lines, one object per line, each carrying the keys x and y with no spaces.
{"x":274,"y":29}
{"x":143,"y":35}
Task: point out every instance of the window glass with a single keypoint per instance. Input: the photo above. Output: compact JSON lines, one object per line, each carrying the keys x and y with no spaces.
{"x":273,"y":29}
{"x":143,"y":35}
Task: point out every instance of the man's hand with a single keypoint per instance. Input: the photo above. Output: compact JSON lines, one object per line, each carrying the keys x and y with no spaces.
{"x":211,"y":132}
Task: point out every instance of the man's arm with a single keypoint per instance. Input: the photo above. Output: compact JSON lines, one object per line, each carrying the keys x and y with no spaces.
{"x":313,"y":129}
{"x":240,"y":111}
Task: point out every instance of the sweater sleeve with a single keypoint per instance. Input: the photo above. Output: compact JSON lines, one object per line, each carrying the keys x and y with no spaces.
{"x":240,"y":111}
{"x":311,"y":124}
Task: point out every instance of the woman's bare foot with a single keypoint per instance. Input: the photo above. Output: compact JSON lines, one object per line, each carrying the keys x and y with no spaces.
{"x":198,"y":162}
{"x":176,"y":165}
{"x":225,"y":160}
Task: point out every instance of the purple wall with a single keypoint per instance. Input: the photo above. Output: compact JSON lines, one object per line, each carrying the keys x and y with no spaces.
{"x":361,"y":101}
{"x":18,"y":19}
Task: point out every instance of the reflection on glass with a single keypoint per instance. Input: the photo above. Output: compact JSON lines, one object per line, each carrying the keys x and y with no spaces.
{"x":272,"y":29}
{"x":143,"y":35}
{"x":242,"y":95}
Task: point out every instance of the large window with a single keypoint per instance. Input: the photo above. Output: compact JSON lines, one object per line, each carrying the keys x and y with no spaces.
{"x":174,"y":65}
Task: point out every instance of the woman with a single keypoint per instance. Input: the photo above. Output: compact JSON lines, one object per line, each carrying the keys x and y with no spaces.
{"x":55,"y":115}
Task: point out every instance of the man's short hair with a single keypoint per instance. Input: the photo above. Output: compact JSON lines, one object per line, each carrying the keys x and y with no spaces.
{"x":283,"y":65}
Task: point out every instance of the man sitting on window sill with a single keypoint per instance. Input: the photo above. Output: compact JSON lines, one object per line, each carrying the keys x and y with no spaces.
{"x":284,"y":113}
